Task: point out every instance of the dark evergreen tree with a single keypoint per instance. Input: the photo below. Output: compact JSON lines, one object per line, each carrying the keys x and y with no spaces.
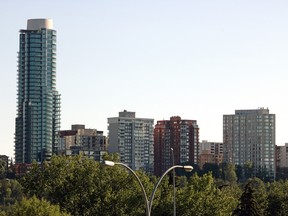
{"x":248,"y":169}
{"x":248,"y":205}
{"x":239,"y":172}
{"x":275,"y":206}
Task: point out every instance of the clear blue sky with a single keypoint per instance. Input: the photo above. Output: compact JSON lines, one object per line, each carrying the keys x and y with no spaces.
{"x":159,"y":58}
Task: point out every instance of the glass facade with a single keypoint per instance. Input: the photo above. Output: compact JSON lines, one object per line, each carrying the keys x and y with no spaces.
{"x":38,"y":102}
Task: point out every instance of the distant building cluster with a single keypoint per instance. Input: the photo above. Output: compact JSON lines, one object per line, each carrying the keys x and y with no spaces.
{"x":79,"y":140}
{"x":248,"y":135}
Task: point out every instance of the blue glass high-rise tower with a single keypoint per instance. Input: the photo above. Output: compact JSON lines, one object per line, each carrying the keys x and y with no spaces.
{"x":38,"y":102}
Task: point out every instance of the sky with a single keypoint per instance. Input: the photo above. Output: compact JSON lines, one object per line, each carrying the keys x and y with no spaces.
{"x":160,"y":58}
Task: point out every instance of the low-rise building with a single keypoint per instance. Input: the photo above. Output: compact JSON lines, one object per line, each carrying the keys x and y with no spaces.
{"x":282,"y":156}
{"x":210,"y":152}
{"x":79,"y":140}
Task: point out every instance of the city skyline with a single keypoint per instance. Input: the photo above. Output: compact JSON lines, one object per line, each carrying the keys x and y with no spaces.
{"x":197,"y":60}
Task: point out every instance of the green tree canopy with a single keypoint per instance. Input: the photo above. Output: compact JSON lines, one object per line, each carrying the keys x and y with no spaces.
{"x":203,"y":197}
{"x":33,"y":207}
{"x":10,"y":191}
{"x":84,"y":187}
{"x":229,"y":172}
{"x":277,"y":199}
{"x":3,"y":169}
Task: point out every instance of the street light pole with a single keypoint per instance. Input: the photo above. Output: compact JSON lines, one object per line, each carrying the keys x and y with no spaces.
{"x":167,"y":171}
{"x":149,"y":203}
{"x":111,"y":163}
{"x":174,"y":189}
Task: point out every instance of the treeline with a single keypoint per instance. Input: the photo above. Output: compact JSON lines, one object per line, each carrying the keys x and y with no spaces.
{"x":79,"y":186}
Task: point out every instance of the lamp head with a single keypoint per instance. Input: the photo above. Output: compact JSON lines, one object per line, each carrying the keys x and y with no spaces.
{"x":188,"y":168}
{"x":109,"y":163}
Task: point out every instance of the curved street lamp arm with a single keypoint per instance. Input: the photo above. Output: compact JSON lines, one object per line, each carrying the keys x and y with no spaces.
{"x":155,"y":188}
{"x":141,"y":185}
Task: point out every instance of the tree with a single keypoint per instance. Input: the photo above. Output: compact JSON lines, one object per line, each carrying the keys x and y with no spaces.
{"x":81,"y":186}
{"x":11,"y":172}
{"x":281,"y":173}
{"x":84,"y":187}
{"x":111,"y":157}
{"x":163,"y":199}
{"x":203,"y":197}
{"x":263,"y":174}
{"x":212,"y":167}
{"x":33,"y":207}
{"x":10,"y":192}
{"x":229,"y":173}
{"x":277,"y":198}
{"x":239,"y":172}
{"x":248,"y":169}
{"x":3,"y":169}
{"x":248,"y":204}
{"x":260,"y":193}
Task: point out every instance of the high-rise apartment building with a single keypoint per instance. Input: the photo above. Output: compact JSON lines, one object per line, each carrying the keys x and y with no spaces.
{"x":132,"y":139}
{"x":87,"y":141}
{"x":179,"y":134}
{"x":249,"y":136}
{"x":38,"y":102}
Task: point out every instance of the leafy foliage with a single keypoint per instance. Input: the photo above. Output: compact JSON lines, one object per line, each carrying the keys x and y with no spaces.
{"x":214,"y":168}
{"x":85,"y":187}
{"x":260,"y":193}
{"x":248,"y":169}
{"x":33,"y":207}
{"x":10,"y":192}
{"x":81,"y":186}
{"x":3,"y":169}
{"x":229,"y":172}
{"x":203,"y":197}
{"x":277,"y":198}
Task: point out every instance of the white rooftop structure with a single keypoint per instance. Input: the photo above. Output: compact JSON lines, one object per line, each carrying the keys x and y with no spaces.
{"x":37,"y":24}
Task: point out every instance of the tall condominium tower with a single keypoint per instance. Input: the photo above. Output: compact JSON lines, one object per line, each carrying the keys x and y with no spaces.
{"x":179,"y":134}
{"x":38,"y":102}
{"x":132,"y":138}
{"x":249,"y":136}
